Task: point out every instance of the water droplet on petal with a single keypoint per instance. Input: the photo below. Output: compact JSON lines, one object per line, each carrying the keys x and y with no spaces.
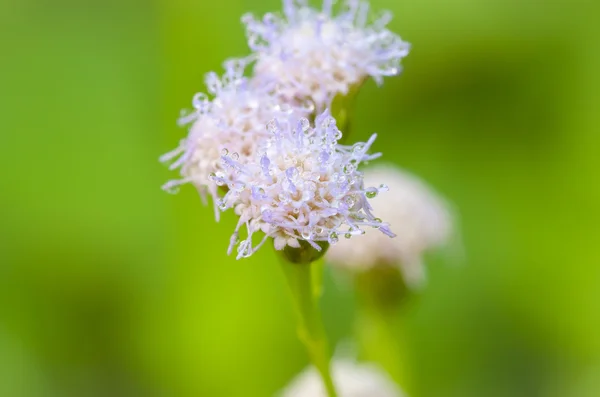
{"x":224,"y":152}
{"x":358,"y":148}
{"x":200,"y":100}
{"x":333,"y":238}
{"x":172,"y":189}
{"x":284,"y":198}
{"x":272,"y":126}
{"x":323,"y":157}
{"x":383,"y":187}
{"x":371,"y":192}
{"x":304,"y":124}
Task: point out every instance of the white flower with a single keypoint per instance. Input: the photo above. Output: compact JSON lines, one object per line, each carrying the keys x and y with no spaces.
{"x":300,"y":185}
{"x":419,"y":217}
{"x":350,"y":378}
{"x":233,"y":122}
{"x":317,"y":54}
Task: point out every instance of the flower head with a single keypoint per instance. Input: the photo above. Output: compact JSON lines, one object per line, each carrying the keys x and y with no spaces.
{"x":352,"y":380}
{"x":231,"y":122}
{"x":316,"y":54}
{"x":300,"y":185}
{"x":419,"y":217}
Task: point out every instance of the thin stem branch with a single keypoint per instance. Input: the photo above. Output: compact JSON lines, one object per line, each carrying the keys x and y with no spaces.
{"x":303,"y":281}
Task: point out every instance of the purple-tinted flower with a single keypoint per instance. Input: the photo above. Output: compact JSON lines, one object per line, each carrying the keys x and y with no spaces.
{"x":419,"y":216}
{"x":316,"y":54}
{"x":231,"y":121}
{"x":300,"y":185}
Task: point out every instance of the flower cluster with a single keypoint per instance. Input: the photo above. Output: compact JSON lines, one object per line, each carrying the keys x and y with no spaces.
{"x":251,"y":145}
{"x":233,"y":121}
{"x":300,"y":185}
{"x":316,"y":54}
{"x":419,"y":217}
{"x":353,"y":380}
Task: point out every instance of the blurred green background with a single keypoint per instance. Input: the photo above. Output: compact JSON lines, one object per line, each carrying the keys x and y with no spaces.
{"x":111,"y":287}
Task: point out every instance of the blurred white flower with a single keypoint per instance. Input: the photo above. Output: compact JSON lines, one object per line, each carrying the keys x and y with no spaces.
{"x":419,"y":217}
{"x":233,"y":121}
{"x":300,"y":185}
{"x":351,"y":380}
{"x":316,"y":54}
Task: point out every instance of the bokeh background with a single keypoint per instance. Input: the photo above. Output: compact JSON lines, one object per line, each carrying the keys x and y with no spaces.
{"x":111,"y":287}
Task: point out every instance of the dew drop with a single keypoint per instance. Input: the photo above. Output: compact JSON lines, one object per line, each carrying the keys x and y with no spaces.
{"x":199,"y":100}
{"x":284,"y":198}
{"x":371,"y":192}
{"x":383,"y":187}
{"x":172,"y":189}
{"x":333,"y":238}
{"x":304,"y":124}
{"x":272,"y":126}
{"x":235,"y":156}
{"x":358,"y":147}
{"x":224,"y":152}
{"x":328,"y":122}
{"x":348,"y":235}
{"x":323,"y":157}
{"x":236,"y":186}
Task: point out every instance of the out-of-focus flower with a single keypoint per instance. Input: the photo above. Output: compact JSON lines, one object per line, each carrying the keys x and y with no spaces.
{"x":419,"y":217}
{"x":233,"y":121}
{"x":351,"y":379}
{"x":317,"y":54}
{"x":300,"y":185}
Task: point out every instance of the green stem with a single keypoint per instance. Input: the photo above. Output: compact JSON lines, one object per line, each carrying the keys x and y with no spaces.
{"x":302,"y":279}
{"x":381,"y":342}
{"x":381,"y":294}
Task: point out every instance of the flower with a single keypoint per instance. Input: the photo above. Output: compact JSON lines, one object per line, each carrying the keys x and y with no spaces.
{"x":233,"y":121}
{"x":317,"y":54}
{"x":419,"y":216}
{"x":351,"y":379}
{"x":300,"y":185}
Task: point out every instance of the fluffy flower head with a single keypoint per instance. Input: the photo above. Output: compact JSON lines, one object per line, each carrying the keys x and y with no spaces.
{"x":301,"y":185}
{"x":316,"y":54}
{"x":232,"y":121}
{"x":351,"y":379}
{"x":419,"y":217}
